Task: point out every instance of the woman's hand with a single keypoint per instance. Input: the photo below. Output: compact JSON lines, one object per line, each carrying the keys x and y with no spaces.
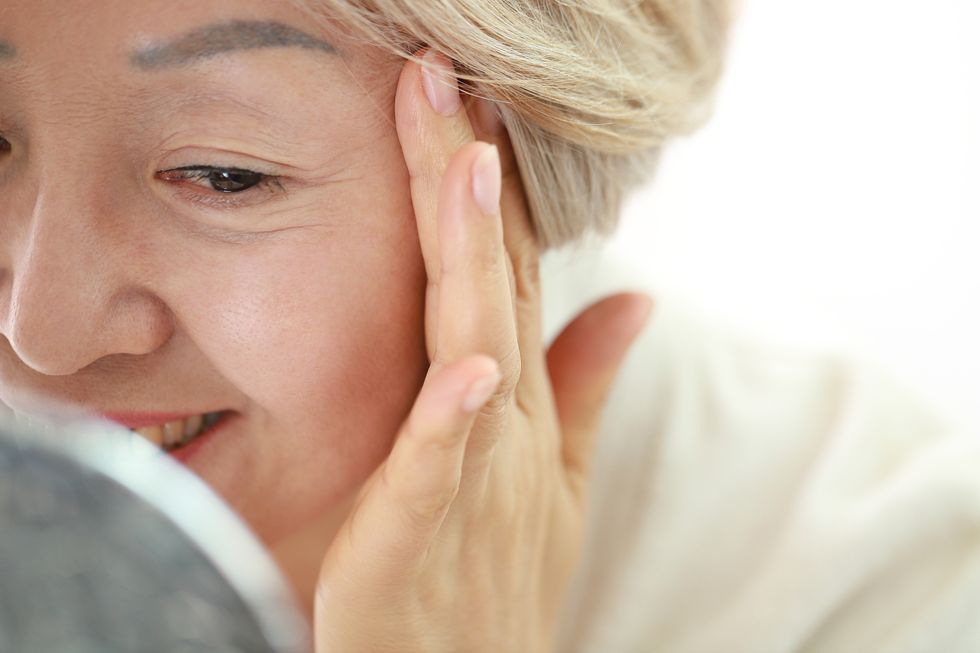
{"x":465,"y":538}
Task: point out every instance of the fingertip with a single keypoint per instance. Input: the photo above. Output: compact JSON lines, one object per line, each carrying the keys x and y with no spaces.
{"x":457,"y":390}
{"x":471,"y":187}
{"x":640,"y":312}
{"x":482,"y":388}
{"x":592,"y":347}
{"x":628,"y":316}
{"x":470,"y":382}
{"x":483,"y":365}
{"x":407,"y":92}
{"x":623,"y":316}
{"x":486,"y":180}
{"x":439,"y":83}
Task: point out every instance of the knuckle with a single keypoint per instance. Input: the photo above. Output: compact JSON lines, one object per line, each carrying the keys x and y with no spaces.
{"x":510,"y":371}
{"x":424,"y":176}
{"x":490,"y":263}
{"x":528,"y":271}
{"x":425,"y":509}
{"x":526,"y":265}
{"x":495,"y":413}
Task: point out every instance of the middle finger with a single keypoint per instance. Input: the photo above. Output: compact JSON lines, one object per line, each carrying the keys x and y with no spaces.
{"x":476,"y":312}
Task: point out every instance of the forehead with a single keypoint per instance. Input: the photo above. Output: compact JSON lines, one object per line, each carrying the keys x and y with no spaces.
{"x":109,"y":35}
{"x":99,"y":53}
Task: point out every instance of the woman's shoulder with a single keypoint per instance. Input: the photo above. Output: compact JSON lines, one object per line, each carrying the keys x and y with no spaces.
{"x":751,"y":496}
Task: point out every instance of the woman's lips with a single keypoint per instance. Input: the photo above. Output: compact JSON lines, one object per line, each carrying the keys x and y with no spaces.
{"x":205,"y":440}
{"x":180,"y":434}
{"x":140,"y":420}
{"x":169,"y":431}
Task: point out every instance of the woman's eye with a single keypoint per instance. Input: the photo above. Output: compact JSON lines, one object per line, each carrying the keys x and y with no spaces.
{"x":4,"y":145}
{"x":221,"y":180}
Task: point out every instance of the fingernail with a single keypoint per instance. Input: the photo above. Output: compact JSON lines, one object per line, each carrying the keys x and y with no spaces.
{"x":439,"y":83}
{"x":486,"y":180}
{"x":480,"y":392}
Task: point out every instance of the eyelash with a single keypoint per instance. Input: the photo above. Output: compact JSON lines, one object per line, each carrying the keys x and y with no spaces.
{"x":219,"y":199}
{"x":222,"y":198}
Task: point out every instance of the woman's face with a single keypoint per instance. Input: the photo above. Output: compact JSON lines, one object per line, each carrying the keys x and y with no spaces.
{"x":297,"y":302}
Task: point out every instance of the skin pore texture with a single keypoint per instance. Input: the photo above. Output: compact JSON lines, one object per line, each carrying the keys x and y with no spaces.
{"x":297,"y":303}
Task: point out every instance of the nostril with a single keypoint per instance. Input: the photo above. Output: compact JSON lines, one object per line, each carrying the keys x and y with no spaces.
{"x":61,"y":334}
{"x":48,"y":362}
{"x":46,"y":341}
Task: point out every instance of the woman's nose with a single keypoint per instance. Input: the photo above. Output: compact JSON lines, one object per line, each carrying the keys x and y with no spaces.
{"x":68,"y":296}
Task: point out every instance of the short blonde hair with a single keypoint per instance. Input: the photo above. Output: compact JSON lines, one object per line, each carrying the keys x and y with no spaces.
{"x":589,"y":90}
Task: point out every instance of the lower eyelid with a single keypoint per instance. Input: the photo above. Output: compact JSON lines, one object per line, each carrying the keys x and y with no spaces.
{"x":218,"y":201}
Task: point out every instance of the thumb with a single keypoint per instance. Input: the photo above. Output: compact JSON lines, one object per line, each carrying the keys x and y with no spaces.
{"x":583,"y":362}
{"x":398,"y":513}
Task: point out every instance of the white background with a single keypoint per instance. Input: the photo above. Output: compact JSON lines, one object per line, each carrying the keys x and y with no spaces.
{"x":834,"y":198}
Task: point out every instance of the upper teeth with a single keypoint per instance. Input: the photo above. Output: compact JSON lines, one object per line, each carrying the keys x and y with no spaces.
{"x":178,"y":432}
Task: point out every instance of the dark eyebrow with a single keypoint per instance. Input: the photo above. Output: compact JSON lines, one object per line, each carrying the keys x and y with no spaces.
{"x":213,"y":40}
{"x":7,"y":51}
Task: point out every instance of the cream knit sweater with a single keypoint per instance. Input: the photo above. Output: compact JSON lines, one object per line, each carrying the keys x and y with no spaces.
{"x":758,"y":499}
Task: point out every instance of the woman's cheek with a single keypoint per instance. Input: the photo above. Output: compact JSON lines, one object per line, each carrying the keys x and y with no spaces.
{"x":306,"y":334}
{"x":323,"y":340}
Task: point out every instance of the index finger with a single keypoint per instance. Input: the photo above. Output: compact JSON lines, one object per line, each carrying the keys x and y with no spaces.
{"x":430,"y":137}
{"x":428,"y":142}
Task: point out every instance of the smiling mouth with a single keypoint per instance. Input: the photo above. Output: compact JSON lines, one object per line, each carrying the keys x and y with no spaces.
{"x":179,"y":433}
{"x":172,"y":435}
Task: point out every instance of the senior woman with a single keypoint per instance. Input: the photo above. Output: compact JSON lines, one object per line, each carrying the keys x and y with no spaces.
{"x":296,"y":244}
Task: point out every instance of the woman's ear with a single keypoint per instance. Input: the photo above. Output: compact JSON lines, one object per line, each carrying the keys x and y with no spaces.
{"x":484,"y":116}
{"x":488,"y":126}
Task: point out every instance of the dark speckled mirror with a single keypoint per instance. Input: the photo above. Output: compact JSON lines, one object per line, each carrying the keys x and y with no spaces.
{"x":107,"y":546}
